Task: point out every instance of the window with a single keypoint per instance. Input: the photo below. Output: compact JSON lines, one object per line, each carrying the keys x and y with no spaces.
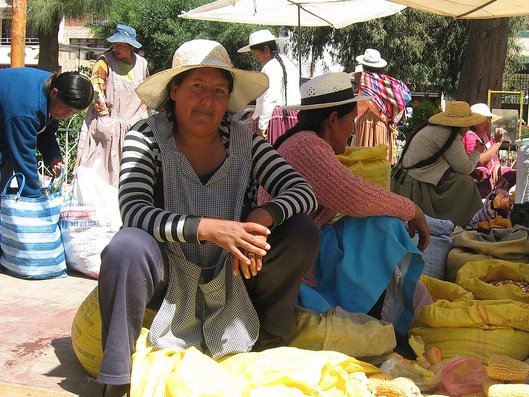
{"x":93,"y":43}
{"x":31,"y":36}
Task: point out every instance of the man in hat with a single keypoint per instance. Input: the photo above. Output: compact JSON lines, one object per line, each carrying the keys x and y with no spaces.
{"x":116,"y":106}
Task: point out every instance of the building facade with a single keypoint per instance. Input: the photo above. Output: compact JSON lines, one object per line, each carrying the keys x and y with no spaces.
{"x":77,"y":45}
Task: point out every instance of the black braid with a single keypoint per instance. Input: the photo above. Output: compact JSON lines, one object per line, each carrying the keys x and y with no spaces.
{"x":276,"y":56}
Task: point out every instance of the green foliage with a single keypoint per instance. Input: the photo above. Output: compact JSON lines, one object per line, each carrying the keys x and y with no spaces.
{"x":422,"y":111}
{"x":161,"y":31}
{"x":424,"y":50}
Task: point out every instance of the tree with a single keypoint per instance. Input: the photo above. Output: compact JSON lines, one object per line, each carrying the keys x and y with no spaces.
{"x":159,"y":45}
{"x":45,"y":17}
{"x":485,"y":59}
{"x":425,"y":50}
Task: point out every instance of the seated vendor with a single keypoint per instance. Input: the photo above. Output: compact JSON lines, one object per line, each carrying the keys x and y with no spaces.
{"x":226,"y":271}
{"x":365,"y":247}
{"x":489,"y":173}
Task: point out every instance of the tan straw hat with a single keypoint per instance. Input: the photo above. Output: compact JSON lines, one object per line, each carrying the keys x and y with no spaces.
{"x":201,"y":53}
{"x":332,"y":89}
{"x":259,"y":37}
{"x":483,"y":109}
{"x":457,"y":114}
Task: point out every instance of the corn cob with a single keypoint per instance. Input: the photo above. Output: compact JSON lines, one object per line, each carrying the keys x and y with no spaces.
{"x":488,"y":382}
{"x":398,"y":387}
{"x":507,"y":368}
{"x":509,"y":390}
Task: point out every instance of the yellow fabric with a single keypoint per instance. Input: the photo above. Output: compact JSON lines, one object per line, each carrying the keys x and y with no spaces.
{"x":474,"y":277}
{"x":370,"y":163}
{"x":480,"y":343}
{"x":440,"y":289}
{"x":484,"y":314}
{"x":355,"y":334}
{"x":284,"y":371}
{"x":86,"y":333}
{"x":474,"y":328}
{"x":472,"y":246}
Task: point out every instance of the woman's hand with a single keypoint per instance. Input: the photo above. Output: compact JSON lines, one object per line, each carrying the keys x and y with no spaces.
{"x":419,"y":224}
{"x":240,"y":238}
{"x":499,"y":134}
{"x":495,"y":174}
{"x":56,"y":166}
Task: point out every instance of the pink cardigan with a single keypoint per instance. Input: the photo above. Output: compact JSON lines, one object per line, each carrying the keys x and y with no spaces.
{"x":337,"y":190}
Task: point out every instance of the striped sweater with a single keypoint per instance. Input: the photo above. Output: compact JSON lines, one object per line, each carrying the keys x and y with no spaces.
{"x":141,"y":187}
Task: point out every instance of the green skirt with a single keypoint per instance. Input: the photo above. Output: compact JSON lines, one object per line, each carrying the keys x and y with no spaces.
{"x":458,"y":200}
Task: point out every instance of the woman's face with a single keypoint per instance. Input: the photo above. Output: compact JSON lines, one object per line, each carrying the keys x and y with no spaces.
{"x":343,"y":127}
{"x":201,"y":100}
{"x":262,"y":56}
{"x":483,"y":128}
{"x":122,"y":51}
{"x":58,"y":109}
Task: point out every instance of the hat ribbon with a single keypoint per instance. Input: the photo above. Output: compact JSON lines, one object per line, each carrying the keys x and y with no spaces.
{"x":458,"y":115}
{"x":337,"y":96}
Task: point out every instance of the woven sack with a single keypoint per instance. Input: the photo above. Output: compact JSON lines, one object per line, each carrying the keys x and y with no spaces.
{"x":30,"y":236}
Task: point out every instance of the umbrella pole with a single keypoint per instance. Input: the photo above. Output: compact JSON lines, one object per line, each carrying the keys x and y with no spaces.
{"x":299,"y":42}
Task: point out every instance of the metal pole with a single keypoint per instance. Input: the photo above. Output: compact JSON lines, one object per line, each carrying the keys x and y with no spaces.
{"x":299,"y":42}
{"x":18,"y":34}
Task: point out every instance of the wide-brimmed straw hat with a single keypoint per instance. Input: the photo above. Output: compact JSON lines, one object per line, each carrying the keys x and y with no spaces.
{"x":327,"y":90}
{"x":483,"y":109}
{"x":201,"y":53}
{"x":124,"y":34}
{"x":372,"y":58}
{"x":457,"y":114}
{"x":259,"y":37}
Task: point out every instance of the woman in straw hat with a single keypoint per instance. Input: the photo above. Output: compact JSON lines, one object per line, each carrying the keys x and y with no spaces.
{"x":434,"y":167}
{"x":377,"y":118}
{"x":221,"y":269}
{"x":116,"y":106}
{"x":363,"y":237}
{"x":489,"y":173}
{"x":270,"y":120}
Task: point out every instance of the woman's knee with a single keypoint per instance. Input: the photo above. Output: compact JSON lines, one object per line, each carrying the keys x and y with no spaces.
{"x":129,"y":248}
{"x":300,"y":234}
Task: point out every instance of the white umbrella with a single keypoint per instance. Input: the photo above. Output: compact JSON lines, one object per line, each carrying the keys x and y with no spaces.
{"x":333,"y":13}
{"x":470,"y":9}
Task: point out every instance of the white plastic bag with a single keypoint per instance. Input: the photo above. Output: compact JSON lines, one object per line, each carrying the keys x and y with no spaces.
{"x":89,"y":219}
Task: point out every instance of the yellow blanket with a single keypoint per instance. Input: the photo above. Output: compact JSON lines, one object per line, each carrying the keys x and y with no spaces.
{"x":284,"y":371}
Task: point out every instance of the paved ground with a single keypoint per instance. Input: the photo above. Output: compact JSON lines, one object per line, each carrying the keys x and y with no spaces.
{"x":36,"y":354}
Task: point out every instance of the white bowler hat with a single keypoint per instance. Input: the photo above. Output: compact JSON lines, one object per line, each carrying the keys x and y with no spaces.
{"x":371,"y":58}
{"x":261,"y":36}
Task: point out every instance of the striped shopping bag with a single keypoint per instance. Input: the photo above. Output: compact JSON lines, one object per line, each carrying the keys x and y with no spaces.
{"x":30,"y":237}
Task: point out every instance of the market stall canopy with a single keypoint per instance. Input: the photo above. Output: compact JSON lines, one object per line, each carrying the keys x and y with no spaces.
{"x":470,"y":9}
{"x":333,"y":13}
{"x":79,"y":48}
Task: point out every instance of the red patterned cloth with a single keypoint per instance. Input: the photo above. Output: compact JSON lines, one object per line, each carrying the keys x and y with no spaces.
{"x":389,"y":94}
